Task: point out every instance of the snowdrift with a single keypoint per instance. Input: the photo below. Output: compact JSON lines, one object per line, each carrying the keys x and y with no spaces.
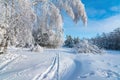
{"x":86,"y":47}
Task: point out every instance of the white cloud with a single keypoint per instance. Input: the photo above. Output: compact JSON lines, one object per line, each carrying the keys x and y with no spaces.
{"x":106,"y":25}
{"x":94,"y":27}
{"x":115,"y":8}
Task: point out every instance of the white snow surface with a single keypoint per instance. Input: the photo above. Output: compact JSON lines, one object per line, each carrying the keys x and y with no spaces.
{"x":58,"y":64}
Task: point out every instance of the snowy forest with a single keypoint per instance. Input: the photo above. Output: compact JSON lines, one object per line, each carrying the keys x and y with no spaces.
{"x":55,"y":40}
{"x":108,"y":40}
{"x":26,"y":22}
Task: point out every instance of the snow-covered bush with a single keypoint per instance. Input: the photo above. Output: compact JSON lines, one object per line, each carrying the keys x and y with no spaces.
{"x":47,"y":39}
{"x":86,"y":47}
{"x":37,"y":48}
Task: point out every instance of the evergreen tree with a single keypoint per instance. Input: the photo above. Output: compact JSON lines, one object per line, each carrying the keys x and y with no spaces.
{"x":69,"y":42}
{"x":108,"y":40}
{"x":76,"y":40}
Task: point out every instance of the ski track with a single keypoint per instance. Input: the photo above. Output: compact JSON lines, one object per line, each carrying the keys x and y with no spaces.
{"x":51,"y":71}
{"x":22,"y":71}
{"x":7,"y":62}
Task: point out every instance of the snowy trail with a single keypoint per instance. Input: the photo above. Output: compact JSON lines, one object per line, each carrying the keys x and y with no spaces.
{"x":30,"y":68}
{"x":20,"y":64}
{"x":4,"y":64}
{"x":29,"y":65}
{"x":50,"y":73}
{"x":8,"y":60}
{"x":58,"y":64}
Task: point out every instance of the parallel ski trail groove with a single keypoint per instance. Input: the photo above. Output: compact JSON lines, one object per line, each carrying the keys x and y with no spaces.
{"x":7,"y":63}
{"x":52,"y":69}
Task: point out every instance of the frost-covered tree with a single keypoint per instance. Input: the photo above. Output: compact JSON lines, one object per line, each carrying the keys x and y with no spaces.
{"x":3,"y":26}
{"x":48,"y":28}
{"x":69,"y":42}
{"x":74,"y":8}
{"x":22,"y":23}
{"x":42,"y":19}
{"x":19,"y":17}
{"x":49,"y":19}
{"x":3,"y":39}
{"x":108,"y":40}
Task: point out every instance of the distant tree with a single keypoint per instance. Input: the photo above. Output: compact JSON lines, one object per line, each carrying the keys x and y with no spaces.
{"x":69,"y":42}
{"x":108,"y":40}
{"x":76,"y":40}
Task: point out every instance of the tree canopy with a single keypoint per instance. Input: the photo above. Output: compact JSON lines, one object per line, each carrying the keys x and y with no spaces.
{"x":32,"y":21}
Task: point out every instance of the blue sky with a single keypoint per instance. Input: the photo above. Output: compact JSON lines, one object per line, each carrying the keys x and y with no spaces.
{"x":103,"y":16}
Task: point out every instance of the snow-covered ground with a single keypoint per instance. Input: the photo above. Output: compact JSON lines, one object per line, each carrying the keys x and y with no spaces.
{"x":58,"y":64}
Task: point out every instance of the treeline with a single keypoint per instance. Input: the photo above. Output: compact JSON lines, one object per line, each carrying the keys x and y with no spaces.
{"x":71,"y":42}
{"x":31,"y":22}
{"x":108,"y":40}
{"x":81,"y":45}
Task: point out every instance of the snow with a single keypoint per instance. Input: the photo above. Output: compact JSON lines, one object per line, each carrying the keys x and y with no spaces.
{"x":37,"y":48}
{"x":58,"y":64}
{"x":85,"y":46}
{"x":98,"y":67}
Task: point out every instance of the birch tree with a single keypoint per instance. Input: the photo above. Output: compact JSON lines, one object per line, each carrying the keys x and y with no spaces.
{"x":38,"y":21}
{"x":19,"y":17}
{"x":49,"y":19}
